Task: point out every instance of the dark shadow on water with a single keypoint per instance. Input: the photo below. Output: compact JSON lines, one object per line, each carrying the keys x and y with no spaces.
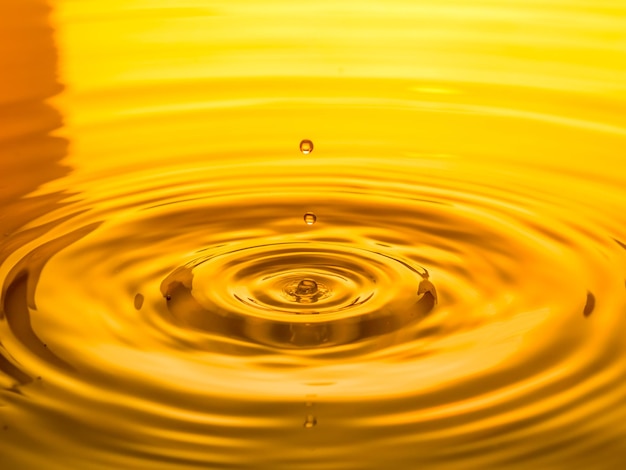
{"x":17,"y":299}
{"x":16,"y":309}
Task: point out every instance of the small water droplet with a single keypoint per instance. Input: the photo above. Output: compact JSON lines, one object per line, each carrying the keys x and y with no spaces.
{"x":310,"y":421}
{"x":589,"y":304}
{"x":310,"y":218}
{"x":168,"y":297}
{"x":306,"y":147}
{"x":138,"y":301}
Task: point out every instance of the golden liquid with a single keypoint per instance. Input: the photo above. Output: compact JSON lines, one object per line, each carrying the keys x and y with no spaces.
{"x":437,"y":281}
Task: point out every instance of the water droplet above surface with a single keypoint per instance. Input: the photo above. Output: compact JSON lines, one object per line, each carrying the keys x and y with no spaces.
{"x":310,"y":218}
{"x":306,"y":147}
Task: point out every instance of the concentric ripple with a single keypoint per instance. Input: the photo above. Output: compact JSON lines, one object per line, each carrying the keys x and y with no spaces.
{"x":242,"y":296}
{"x":261,"y":291}
{"x":440,"y":284}
{"x":296,"y":278}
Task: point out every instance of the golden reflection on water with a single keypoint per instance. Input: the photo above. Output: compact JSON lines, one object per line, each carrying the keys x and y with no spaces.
{"x":312,"y":234}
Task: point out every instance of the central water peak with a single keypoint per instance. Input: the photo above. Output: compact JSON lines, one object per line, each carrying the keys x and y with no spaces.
{"x":306,"y":291}
{"x":306,"y":287}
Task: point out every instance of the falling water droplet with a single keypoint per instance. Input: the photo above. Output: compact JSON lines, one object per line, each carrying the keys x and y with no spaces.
{"x":310,"y":218}
{"x":310,"y":421}
{"x":306,"y":147}
{"x":138,"y":301}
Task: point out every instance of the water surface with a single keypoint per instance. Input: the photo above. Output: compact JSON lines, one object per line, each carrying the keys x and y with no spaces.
{"x":315,"y":235}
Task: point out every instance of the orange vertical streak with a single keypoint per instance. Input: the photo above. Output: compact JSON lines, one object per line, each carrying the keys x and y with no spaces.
{"x":29,"y":154}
